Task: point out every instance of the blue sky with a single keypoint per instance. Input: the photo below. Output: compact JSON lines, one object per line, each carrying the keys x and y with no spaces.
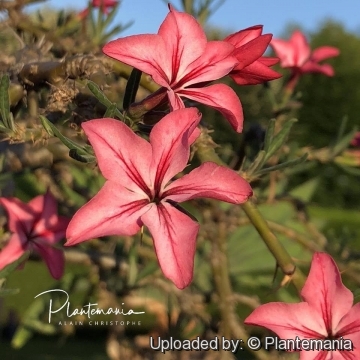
{"x":234,"y":15}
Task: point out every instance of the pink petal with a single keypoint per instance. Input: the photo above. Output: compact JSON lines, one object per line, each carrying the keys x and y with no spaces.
{"x":222,"y":98}
{"x":147,"y":53}
{"x":255,"y":73}
{"x":312,"y":67}
{"x":252,"y":51}
{"x":292,"y":53}
{"x":325,"y":292}
{"x":301,"y":46}
{"x":175,"y":101}
{"x":174,"y":235}
{"x":214,"y":63}
{"x":212,"y":181}
{"x":46,"y":207}
{"x":184,"y":40}
{"x":289,"y":320}
{"x":324,"y":52}
{"x":21,"y":216}
{"x":350,"y":324}
{"x":54,"y":259}
{"x":122,"y":155}
{"x":316,"y":355}
{"x":114,"y":210}
{"x":269,"y":61}
{"x":170,"y":144}
{"x":52,"y":235}
{"x":13,"y":250}
{"x":242,"y":37}
{"x":285,"y":52}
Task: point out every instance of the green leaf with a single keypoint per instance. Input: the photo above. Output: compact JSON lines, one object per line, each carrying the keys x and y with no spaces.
{"x":103,"y":98}
{"x":77,"y":152}
{"x":269,"y":136}
{"x":132,"y":87}
{"x":279,"y":139}
{"x":344,"y":142}
{"x":76,"y":155}
{"x":284,"y":165}
{"x":6,"y":116}
{"x":111,"y":111}
{"x":110,"y":16}
{"x":257,"y":163}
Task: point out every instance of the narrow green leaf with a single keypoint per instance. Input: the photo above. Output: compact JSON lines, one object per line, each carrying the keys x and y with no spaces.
{"x":111,"y":111}
{"x":344,"y":142}
{"x":258,"y":162}
{"x":5,"y":103}
{"x":103,"y":98}
{"x":110,"y":16}
{"x":132,"y":87}
{"x":269,"y":136}
{"x":52,"y":130}
{"x":4,"y":129}
{"x":284,"y":165}
{"x":279,"y":138}
{"x":342,"y":128}
{"x":86,"y":158}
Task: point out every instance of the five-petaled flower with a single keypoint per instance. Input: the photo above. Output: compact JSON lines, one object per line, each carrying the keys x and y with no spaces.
{"x":35,"y":226}
{"x":297,"y":55}
{"x":103,"y":5}
{"x":181,"y":60}
{"x":327,"y":312}
{"x":253,"y":68}
{"x":137,"y":191}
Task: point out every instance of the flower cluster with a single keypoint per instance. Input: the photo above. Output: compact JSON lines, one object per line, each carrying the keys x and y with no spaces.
{"x":137,"y":191}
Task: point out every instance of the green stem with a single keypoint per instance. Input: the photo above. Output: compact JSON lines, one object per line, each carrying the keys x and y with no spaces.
{"x":206,"y":152}
{"x":283,"y":259}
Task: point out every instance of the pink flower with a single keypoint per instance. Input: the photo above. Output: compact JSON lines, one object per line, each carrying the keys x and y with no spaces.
{"x":253,"y":68}
{"x":35,"y":226}
{"x":297,"y":55}
{"x":356,"y":140}
{"x":104,"y":5}
{"x":138,"y":192}
{"x":181,"y":60}
{"x":327,"y":312}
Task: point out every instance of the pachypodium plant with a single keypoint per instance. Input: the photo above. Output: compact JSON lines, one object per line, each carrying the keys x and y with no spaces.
{"x":151,"y":167}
